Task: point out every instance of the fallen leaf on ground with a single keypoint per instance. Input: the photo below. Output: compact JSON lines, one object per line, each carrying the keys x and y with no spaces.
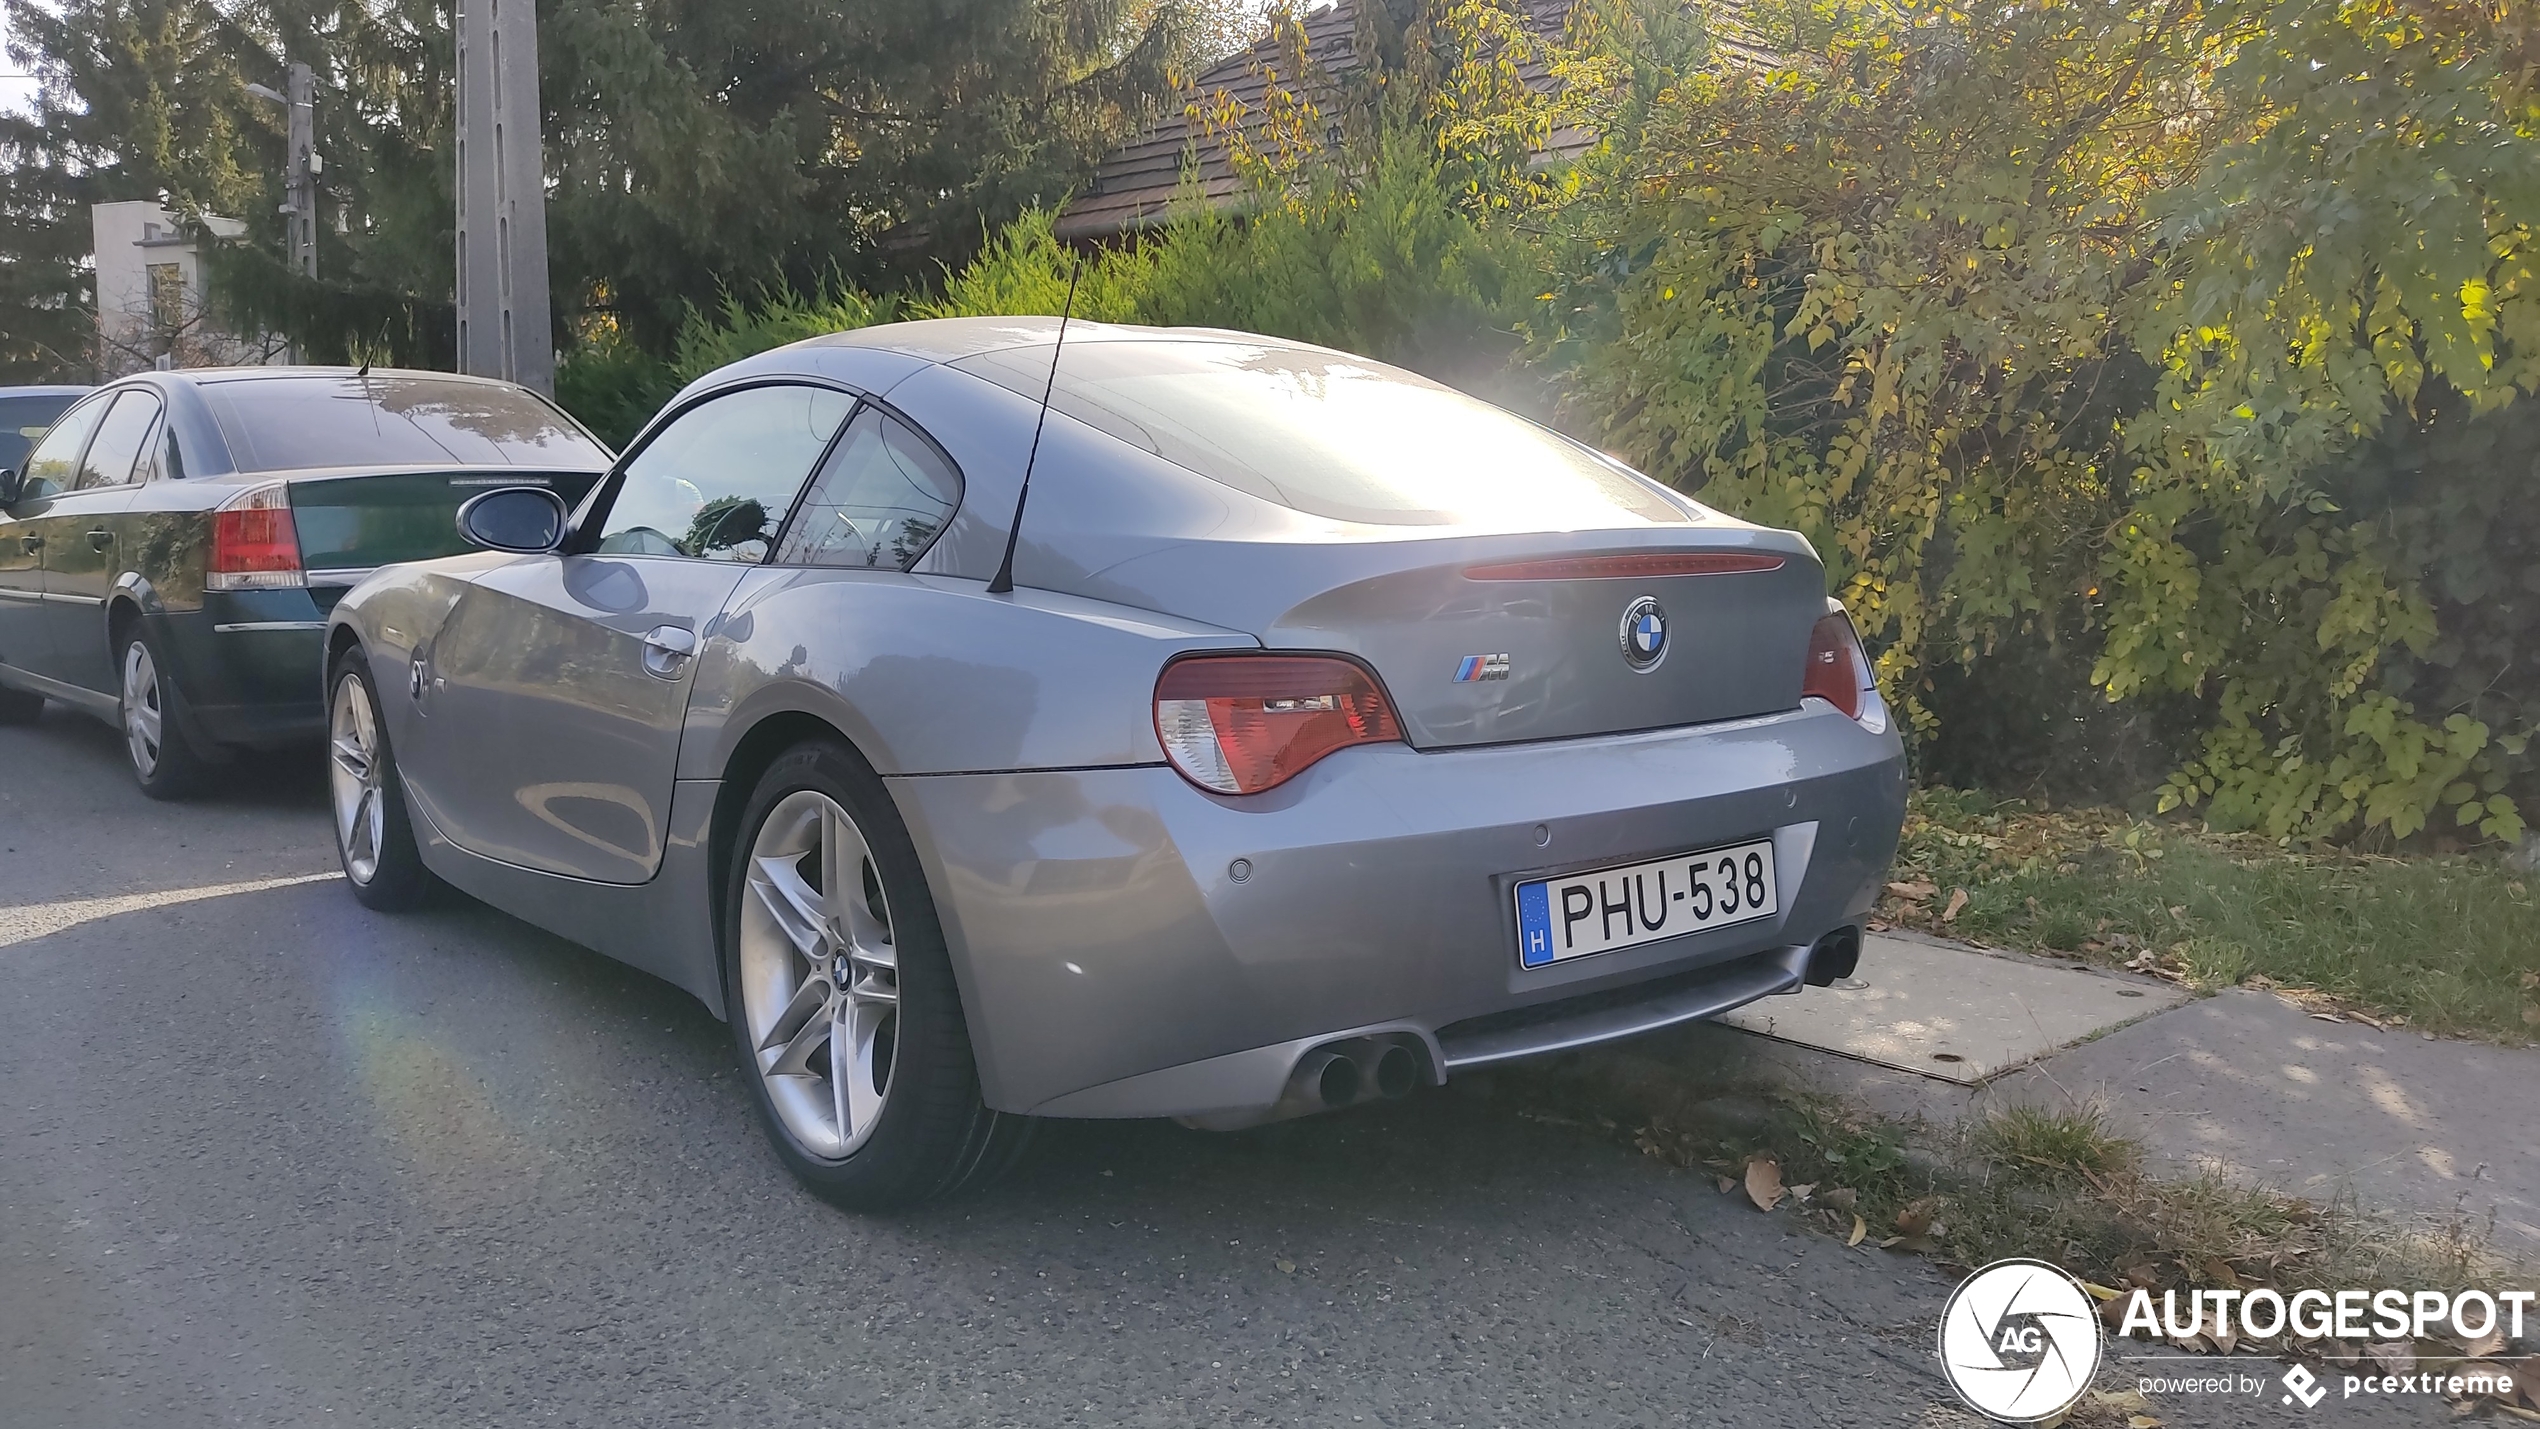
{"x":1914,"y":892}
{"x":1917,"y":1217}
{"x":1727,"y":1184}
{"x":2326,"y":1017}
{"x":1841,"y":1198}
{"x":1764,"y":1183}
{"x":1957,"y":905}
{"x":2220,"y":1272}
{"x":1286,"y":1267}
{"x":2375,"y":1023}
{"x":2486,"y":1344}
{"x":2193,"y":1344}
{"x":2100,"y":1293}
{"x":2142,"y":1421}
{"x":1860,"y":1231}
{"x":2396,"y":1356}
{"x":1801,"y":1193}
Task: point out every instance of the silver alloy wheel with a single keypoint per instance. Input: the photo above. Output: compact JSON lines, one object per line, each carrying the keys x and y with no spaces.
{"x":144,"y":722}
{"x":820,"y":987}
{"x":353,"y":776}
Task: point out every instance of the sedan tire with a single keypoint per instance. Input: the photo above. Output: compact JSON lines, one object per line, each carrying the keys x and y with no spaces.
{"x":374,"y":837}
{"x":163,"y":758}
{"x":841,"y":994}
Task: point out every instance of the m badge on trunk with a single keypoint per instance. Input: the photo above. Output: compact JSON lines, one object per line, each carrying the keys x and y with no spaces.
{"x":1644,"y":634}
{"x":1481,"y":667}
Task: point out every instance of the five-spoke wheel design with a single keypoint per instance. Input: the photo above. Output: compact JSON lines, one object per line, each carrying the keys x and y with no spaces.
{"x":353,"y":777}
{"x":819,"y":975}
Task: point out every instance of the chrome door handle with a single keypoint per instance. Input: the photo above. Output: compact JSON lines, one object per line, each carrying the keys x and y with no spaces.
{"x":100,"y":541}
{"x":667,"y":648}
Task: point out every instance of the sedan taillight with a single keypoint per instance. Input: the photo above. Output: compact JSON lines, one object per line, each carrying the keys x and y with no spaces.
{"x":254,"y":544}
{"x":1839,"y":672}
{"x":1239,"y":724}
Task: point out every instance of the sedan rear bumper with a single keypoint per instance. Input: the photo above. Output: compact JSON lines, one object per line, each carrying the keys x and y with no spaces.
{"x":1128,"y":945}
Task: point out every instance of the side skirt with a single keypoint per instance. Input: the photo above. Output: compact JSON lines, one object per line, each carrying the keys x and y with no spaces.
{"x":664,"y":927}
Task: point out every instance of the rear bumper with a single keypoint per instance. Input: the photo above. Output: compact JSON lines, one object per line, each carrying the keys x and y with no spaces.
{"x":1113,"y":964}
{"x":250,"y":665}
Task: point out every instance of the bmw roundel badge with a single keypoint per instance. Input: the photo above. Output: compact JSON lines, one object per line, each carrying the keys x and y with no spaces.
{"x":1644,"y":634}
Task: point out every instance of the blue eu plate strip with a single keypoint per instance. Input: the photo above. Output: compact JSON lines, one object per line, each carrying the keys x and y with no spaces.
{"x":1534,"y":924}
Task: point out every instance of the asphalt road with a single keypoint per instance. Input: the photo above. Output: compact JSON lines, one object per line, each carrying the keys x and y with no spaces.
{"x":267,"y":1158}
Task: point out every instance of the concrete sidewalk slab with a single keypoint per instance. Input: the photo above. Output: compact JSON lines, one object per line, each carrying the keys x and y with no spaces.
{"x":2255,"y":1086}
{"x":1956,"y":1013}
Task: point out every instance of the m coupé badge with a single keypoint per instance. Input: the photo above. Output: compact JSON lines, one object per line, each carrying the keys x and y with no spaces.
{"x":1481,"y":667}
{"x":1644,"y":634}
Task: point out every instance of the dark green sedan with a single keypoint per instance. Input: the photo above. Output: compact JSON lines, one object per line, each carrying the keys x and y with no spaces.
{"x":172,"y":545}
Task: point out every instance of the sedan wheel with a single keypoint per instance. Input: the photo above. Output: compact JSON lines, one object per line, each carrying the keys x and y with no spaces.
{"x":164,"y":762}
{"x":841,"y":993}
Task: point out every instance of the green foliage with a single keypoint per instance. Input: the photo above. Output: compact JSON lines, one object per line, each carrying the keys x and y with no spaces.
{"x":2348,"y":296}
{"x":2084,"y":326}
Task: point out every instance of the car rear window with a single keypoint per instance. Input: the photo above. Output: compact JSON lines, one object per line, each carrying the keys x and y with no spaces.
{"x":1332,"y":435}
{"x":398,"y":419}
{"x":23,"y":419}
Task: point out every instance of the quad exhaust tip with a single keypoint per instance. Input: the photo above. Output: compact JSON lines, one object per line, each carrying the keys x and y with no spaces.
{"x":1834,"y":957}
{"x":1355,"y":1070}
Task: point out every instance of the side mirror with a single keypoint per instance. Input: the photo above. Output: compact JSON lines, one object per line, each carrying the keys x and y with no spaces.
{"x":11,"y":483}
{"x":528,"y":520}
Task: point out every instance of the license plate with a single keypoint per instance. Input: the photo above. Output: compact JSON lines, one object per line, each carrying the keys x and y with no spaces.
{"x":1602,"y":910}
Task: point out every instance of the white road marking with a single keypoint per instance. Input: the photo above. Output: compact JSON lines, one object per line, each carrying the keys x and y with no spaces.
{"x":41,"y":920}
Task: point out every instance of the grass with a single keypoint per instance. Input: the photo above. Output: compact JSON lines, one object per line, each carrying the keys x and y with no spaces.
{"x":2056,"y":1185}
{"x":2448,"y":944}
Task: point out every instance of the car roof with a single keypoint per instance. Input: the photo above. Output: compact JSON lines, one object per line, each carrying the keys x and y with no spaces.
{"x":951,"y":339}
{"x":211,"y":376}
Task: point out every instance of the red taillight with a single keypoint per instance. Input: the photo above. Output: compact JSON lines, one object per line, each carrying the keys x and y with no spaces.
{"x":1839,"y":671}
{"x":1239,"y":724}
{"x":254,"y":545}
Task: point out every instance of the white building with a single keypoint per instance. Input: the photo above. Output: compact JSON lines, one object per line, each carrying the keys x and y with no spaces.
{"x":153,"y":309}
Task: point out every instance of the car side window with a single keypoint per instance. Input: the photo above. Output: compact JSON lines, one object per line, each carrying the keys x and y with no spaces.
{"x":54,"y":464}
{"x":165,"y":460}
{"x":717,"y":481}
{"x":878,"y":501}
{"x":115,"y":452}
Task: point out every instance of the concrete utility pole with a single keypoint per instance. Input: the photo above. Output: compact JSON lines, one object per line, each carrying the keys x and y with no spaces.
{"x":504,"y":323}
{"x":300,"y":170}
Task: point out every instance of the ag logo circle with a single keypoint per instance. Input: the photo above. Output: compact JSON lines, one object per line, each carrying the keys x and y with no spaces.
{"x":1644,"y":633}
{"x":2020,"y":1341}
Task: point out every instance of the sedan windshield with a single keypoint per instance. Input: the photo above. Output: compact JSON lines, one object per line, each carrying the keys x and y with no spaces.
{"x":300,"y":422}
{"x":1333,"y":435}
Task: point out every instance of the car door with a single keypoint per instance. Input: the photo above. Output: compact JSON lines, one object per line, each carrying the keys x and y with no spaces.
{"x":553,"y":695}
{"x":52,"y":468}
{"x":78,"y":531}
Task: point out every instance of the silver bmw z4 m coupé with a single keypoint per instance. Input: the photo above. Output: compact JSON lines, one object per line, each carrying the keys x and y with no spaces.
{"x":1329,"y":733}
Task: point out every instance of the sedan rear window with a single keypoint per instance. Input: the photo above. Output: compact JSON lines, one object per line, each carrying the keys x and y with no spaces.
{"x":1333,"y":435}
{"x":298,"y":423}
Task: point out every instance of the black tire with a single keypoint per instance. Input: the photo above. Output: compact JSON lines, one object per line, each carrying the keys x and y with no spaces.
{"x":20,"y":706}
{"x":164,"y":759}
{"x":374,"y":835}
{"x":934,"y":1135}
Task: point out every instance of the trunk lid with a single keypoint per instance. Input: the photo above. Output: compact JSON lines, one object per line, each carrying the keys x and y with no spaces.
{"x":353,"y":522}
{"x":1526,"y":645}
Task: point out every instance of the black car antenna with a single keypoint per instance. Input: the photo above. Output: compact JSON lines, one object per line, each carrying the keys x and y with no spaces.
{"x":1004,"y":581}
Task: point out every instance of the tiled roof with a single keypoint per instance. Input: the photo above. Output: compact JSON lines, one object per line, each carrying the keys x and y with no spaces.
{"x":1134,"y":186}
